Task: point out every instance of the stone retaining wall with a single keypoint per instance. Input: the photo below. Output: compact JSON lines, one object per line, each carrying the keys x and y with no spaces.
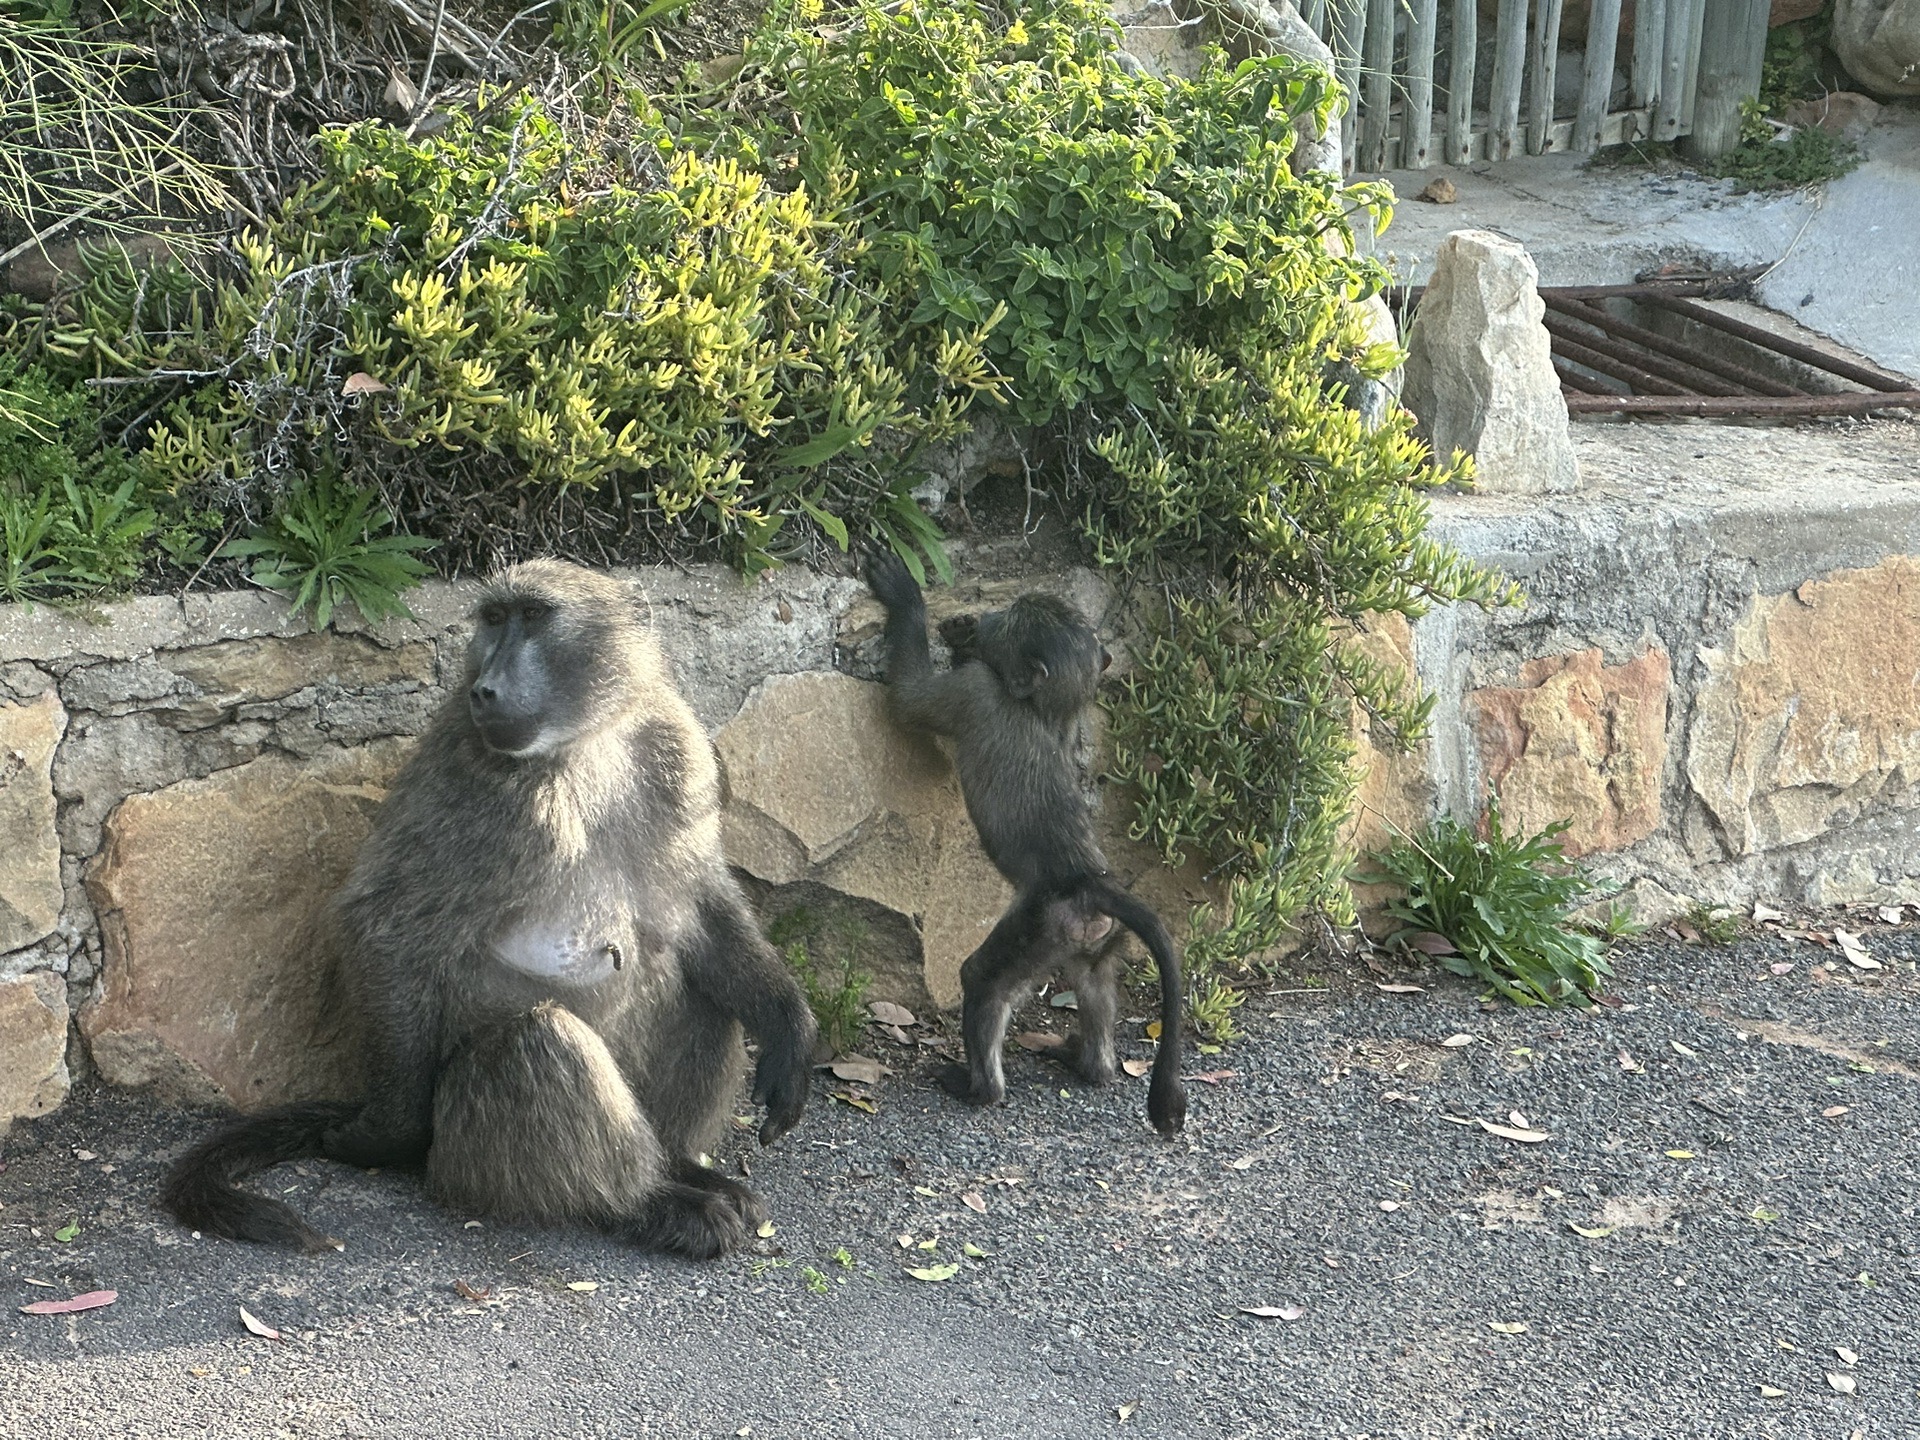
{"x":1716,"y":678}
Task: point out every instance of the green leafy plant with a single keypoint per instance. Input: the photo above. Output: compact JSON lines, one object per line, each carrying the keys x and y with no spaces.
{"x":1617,"y":924}
{"x":322,"y":547}
{"x":1764,"y":160}
{"x":1716,"y":925}
{"x":824,"y":953}
{"x":75,"y":517}
{"x":1502,"y":902}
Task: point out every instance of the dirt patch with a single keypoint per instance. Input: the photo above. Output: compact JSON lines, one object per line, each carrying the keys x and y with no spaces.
{"x":1776,"y":1033}
{"x":1398,"y":1059}
{"x":1638,"y":1212}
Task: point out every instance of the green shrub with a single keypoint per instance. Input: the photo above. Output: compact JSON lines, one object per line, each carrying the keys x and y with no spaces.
{"x":733,"y":324}
{"x":321,"y":547}
{"x":1502,"y":902}
{"x":74,"y":517}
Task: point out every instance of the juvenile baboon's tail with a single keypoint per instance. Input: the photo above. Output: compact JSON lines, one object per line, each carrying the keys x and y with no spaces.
{"x":1166,"y":1096}
{"x":201,"y":1192}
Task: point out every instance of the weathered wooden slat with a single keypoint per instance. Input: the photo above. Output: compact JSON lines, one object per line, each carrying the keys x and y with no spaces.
{"x":1674,"y":45}
{"x":1692,"y":71}
{"x":1546,"y":64}
{"x":1649,"y":38}
{"x":1465,"y":42}
{"x":1596,"y":80}
{"x":1732,"y":49}
{"x":1509,"y":64}
{"x":1416,"y":144}
{"x":1348,"y":24}
{"x":1376,"y":111}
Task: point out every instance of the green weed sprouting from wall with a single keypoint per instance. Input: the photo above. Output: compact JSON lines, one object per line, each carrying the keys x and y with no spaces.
{"x":733,"y":322}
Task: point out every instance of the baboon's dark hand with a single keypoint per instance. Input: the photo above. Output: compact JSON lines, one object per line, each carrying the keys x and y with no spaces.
{"x":890,"y":580}
{"x":961,"y":634}
{"x":780,"y":1083}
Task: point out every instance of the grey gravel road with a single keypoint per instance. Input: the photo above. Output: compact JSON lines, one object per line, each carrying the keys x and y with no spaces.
{"x":1742,"y":1239}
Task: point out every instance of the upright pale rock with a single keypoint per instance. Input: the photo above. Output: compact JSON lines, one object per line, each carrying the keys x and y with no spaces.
{"x":1879,"y":43}
{"x":1479,"y":370}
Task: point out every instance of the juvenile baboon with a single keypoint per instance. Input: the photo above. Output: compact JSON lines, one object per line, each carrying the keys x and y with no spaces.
{"x":1014,"y":704}
{"x":548,"y":956}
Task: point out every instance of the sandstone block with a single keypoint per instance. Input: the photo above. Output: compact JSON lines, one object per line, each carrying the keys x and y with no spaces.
{"x":1479,"y":372}
{"x":30,"y":889}
{"x":1879,"y":43}
{"x":215,"y":979}
{"x":1395,"y":795}
{"x":33,"y":1046}
{"x":823,"y":786}
{"x":1844,"y":113}
{"x":266,"y":668}
{"x":1810,"y":712}
{"x":1578,"y":740}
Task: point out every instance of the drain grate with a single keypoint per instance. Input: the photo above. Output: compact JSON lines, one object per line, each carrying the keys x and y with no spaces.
{"x":1653,"y":348}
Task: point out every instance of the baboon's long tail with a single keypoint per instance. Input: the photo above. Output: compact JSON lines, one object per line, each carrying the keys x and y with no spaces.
{"x":1166,"y":1096}
{"x":201,"y":1192}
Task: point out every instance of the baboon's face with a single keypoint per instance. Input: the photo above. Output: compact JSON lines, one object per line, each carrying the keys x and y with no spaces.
{"x":545,"y":666}
{"x":1044,"y":653}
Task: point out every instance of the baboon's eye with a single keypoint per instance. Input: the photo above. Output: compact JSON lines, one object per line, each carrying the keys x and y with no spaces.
{"x":493,"y":616}
{"x":534,"y":611}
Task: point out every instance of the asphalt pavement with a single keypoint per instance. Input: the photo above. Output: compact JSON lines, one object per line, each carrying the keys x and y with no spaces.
{"x":1717,"y":1237}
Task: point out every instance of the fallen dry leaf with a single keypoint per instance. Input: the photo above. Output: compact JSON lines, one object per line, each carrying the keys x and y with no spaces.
{"x":1763,"y":913}
{"x":888,"y":1013}
{"x":1125,"y":1412}
{"x":1065,"y":1000}
{"x":1892,"y":914}
{"x":1400,"y":989}
{"x":1514,"y":1117}
{"x":1245,"y":1162}
{"x":1136,"y":1067}
{"x":1680,"y":1049}
{"x":1680,"y":1155}
{"x":858,"y":1102}
{"x":1439,"y":191}
{"x":1592,"y":1232}
{"x":896,"y":1034}
{"x":1213,"y":1077}
{"x":935,"y":1273}
{"x":1855,"y":952}
{"x":974,"y":1201}
{"x":1833,"y":1112}
{"x":1038,"y":1040}
{"x":92,"y":1300}
{"x":1153,"y":1030}
{"x":1273,"y":1312}
{"x":1629,"y":1064}
{"x":1843,"y":1383}
{"x":1781,"y":967}
{"x":255,"y":1325}
{"x":1512,"y":1132}
{"x":858,"y":1069}
{"x":1507,"y":1327}
{"x":1768,"y":1392}
{"x":470,"y":1292}
{"x":585,"y":1287}
{"x":1389,"y":1205}
{"x":1847,"y":1357}
{"x":1429,"y":943}
{"x":361,"y":383}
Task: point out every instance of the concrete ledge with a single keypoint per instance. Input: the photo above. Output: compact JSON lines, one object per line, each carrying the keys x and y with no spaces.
{"x":1775,"y":572}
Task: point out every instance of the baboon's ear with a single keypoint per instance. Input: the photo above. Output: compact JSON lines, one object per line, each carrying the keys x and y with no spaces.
{"x":1021,"y":687}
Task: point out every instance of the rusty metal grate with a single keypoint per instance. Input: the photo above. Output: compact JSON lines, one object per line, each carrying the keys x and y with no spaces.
{"x":1611,"y":365}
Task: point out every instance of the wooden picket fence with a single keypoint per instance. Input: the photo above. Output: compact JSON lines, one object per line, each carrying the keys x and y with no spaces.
{"x":1389,"y":69}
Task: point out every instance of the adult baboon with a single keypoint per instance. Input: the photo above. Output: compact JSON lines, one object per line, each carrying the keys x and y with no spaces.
{"x":547,"y":953}
{"x":1014,"y":704}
